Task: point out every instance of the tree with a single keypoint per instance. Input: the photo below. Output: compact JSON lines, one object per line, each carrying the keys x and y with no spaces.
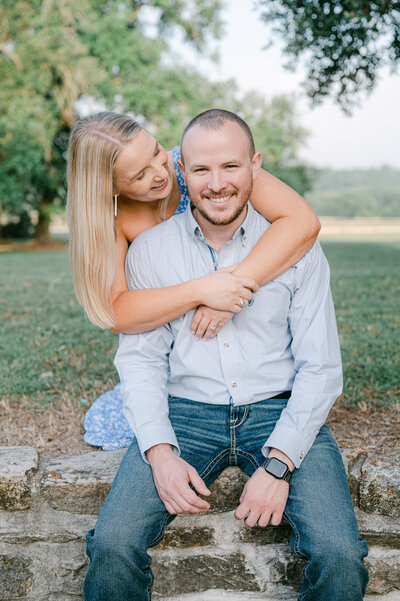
{"x":52,"y":52}
{"x":344,"y":43}
{"x":278,"y":136}
{"x":356,"y":192}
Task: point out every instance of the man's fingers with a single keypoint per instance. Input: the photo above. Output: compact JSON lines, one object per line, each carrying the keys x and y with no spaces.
{"x":242,"y":511}
{"x":173,"y":482}
{"x":187,"y":506}
{"x":178,"y":504}
{"x":189,"y":502}
{"x":198,"y":483}
{"x":264,"y":518}
{"x":276,"y":519}
{"x":201,"y":327}
{"x":195,"y":502}
{"x":212,"y":330}
{"x":171,"y":506}
{"x":195,"y":321}
{"x":184,"y":500}
{"x":263,"y":500}
{"x":252,"y":518}
{"x":267,"y":517}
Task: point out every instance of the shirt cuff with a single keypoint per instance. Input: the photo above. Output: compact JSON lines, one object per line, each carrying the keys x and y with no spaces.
{"x":290,"y":442}
{"x":152,"y":434}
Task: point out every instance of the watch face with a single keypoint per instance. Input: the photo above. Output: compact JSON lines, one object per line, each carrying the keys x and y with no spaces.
{"x":276,"y":468}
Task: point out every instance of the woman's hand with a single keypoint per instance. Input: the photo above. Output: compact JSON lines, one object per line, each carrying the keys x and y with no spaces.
{"x":226,"y":291}
{"x":207,"y":322}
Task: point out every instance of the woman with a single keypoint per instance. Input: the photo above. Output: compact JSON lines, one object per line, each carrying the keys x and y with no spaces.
{"x":121,"y":182}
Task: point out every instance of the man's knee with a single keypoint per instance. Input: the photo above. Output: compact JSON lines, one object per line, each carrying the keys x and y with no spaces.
{"x":105,"y":544}
{"x":125,"y":538}
{"x":341,"y":559}
{"x":119,"y":567}
{"x":341,"y":550}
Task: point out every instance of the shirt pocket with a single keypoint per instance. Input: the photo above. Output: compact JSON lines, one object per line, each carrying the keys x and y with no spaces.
{"x":269,"y":305}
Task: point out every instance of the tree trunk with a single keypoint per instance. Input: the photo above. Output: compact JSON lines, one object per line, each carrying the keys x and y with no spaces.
{"x":42,"y":233}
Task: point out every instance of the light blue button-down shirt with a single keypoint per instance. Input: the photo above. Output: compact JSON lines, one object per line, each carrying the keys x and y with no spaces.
{"x":285,"y":340}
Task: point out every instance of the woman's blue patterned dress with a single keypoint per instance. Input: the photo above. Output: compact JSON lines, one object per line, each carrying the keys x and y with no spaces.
{"x":105,"y":424}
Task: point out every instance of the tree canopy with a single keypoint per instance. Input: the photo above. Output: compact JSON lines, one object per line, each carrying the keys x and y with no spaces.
{"x":54,"y":52}
{"x":278,"y":135}
{"x":344,"y":43}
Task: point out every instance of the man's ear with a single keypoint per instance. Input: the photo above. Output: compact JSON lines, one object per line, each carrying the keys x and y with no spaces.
{"x":256,"y":164}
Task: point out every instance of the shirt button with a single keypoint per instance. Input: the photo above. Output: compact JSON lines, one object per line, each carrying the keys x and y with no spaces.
{"x":226,"y":344}
{"x":301,"y":455}
{"x":234,"y":385}
{"x":245,"y":238}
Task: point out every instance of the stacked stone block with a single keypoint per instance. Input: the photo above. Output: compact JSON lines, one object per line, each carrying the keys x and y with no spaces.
{"x":47,"y":506}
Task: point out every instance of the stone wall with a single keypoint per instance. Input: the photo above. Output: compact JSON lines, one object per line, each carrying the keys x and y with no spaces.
{"x":47,"y":505}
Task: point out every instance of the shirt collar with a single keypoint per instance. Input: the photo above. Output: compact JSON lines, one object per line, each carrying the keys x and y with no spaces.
{"x":243,"y":230}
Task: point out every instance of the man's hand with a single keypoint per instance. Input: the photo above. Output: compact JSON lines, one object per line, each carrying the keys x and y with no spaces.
{"x":172,"y":476}
{"x":207,"y":322}
{"x":264,"y":497}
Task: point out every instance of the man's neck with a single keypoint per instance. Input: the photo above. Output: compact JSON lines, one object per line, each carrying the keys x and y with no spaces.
{"x":218,"y":235}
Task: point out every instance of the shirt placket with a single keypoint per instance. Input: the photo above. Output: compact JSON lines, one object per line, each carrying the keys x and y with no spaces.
{"x":227,"y":338}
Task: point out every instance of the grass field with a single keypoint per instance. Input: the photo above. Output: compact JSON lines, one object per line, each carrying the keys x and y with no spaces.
{"x":50,"y":352}
{"x":366,"y":289}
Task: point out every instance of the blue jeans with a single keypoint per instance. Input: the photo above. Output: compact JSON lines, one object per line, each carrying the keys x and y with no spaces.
{"x":211,"y":437}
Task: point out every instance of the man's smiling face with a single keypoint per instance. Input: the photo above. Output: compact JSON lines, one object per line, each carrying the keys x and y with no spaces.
{"x":218,"y":171}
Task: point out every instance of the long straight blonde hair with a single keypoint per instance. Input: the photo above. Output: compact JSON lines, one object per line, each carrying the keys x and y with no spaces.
{"x":94,"y":146}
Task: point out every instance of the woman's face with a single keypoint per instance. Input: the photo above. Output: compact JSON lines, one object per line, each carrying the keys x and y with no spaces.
{"x":141,"y":170}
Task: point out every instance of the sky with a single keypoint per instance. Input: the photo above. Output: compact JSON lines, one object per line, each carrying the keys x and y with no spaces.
{"x":368,"y":138}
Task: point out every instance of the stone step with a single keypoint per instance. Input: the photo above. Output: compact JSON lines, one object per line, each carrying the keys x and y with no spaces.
{"x":47,"y":506}
{"x":280,"y":594}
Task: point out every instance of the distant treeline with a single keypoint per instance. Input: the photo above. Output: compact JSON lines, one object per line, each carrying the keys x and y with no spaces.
{"x":356,"y":192}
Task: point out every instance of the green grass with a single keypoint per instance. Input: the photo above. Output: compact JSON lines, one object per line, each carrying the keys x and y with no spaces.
{"x":366,"y":290}
{"x":43,"y":329}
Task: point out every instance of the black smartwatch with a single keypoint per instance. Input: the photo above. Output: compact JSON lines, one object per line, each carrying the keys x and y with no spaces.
{"x":277,"y":468}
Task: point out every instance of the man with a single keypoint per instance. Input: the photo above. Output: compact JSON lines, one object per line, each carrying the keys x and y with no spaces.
{"x":256,"y":395}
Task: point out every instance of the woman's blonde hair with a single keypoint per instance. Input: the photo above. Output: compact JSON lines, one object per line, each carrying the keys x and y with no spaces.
{"x":94,"y":146}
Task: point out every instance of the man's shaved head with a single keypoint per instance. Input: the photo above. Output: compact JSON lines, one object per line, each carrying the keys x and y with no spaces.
{"x":215,"y":119}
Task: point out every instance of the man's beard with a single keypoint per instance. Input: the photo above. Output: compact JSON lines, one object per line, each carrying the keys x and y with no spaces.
{"x":234,"y":215}
{"x":227,"y":221}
